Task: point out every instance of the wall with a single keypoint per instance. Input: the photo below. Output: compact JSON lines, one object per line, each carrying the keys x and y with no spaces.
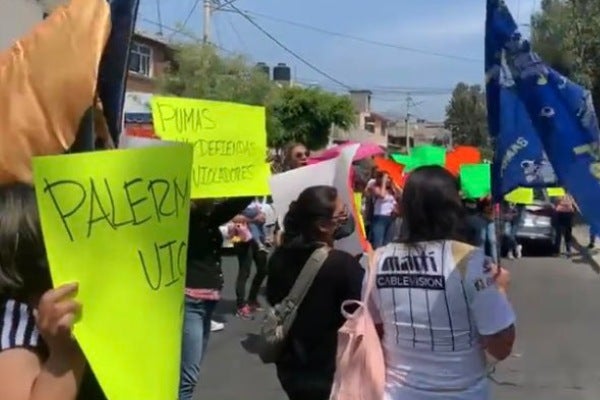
{"x":141,"y":83}
{"x":361,"y":100}
{"x":17,"y":18}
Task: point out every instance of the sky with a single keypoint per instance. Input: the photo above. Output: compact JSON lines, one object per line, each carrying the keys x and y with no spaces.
{"x":432,"y":44}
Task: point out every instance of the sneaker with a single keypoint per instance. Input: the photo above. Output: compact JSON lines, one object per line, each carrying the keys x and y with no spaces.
{"x":510,"y":255}
{"x":519,"y":251}
{"x":244,"y":312}
{"x":216,"y":326}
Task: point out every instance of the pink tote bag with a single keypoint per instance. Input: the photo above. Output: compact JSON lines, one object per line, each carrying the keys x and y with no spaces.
{"x":360,"y":364}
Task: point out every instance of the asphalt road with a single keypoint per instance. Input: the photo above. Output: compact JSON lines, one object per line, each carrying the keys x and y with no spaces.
{"x":557,"y":355}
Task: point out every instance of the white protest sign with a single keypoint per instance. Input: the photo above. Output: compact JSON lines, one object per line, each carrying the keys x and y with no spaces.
{"x":287,"y":186}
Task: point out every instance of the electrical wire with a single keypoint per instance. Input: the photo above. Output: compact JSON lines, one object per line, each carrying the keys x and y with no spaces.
{"x":236,"y":33}
{"x":187,"y":18}
{"x":287,"y":49}
{"x":360,"y":39}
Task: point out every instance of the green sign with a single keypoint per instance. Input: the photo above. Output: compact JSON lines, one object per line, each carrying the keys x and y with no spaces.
{"x":427,"y":155}
{"x":475,"y":180}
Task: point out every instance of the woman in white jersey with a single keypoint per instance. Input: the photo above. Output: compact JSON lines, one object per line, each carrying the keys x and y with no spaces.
{"x":443,"y":312}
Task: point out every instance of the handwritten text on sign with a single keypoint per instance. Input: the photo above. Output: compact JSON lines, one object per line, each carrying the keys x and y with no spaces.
{"x":229,"y":142}
{"x":116,"y":222}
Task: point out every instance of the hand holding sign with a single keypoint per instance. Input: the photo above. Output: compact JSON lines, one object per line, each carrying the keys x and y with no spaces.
{"x":120,"y":231}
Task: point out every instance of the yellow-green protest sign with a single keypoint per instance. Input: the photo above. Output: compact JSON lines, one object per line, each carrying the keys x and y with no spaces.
{"x":229,"y":140}
{"x":520,"y":195}
{"x":555,"y":192}
{"x":116,"y":222}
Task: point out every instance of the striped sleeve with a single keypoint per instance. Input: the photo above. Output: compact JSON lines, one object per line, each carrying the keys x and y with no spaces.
{"x":17,"y":326}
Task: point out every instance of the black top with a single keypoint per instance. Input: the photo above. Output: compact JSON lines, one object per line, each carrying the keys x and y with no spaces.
{"x":312,"y":339}
{"x":205,"y":243}
{"x":18,"y":330}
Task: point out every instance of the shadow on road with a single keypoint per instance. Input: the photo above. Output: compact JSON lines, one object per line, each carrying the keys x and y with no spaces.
{"x":585,"y":256}
{"x":251,"y":343}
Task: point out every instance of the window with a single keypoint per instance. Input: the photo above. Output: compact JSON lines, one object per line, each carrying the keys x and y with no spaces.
{"x":140,"y":59}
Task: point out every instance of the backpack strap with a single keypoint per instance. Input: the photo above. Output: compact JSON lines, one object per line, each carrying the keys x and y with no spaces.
{"x":461,"y":252}
{"x":307,"y":275}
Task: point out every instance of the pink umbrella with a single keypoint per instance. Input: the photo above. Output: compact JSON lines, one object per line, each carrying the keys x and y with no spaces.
{"x":365,"y":150}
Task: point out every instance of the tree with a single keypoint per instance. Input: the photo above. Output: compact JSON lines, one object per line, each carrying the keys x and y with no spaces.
{"x":566,"y":33}
{"x":307,"y":114}
{"x":466,"y":116}
{"x":294,"y":114}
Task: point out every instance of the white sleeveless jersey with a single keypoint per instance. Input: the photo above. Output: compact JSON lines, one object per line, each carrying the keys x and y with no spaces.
{"x":434,"y":311}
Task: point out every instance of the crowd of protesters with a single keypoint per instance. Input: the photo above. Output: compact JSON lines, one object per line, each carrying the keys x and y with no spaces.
{"x":435,"y":341}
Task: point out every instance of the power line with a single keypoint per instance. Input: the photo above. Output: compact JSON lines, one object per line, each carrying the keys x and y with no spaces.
{"x":188,"y":35}
{"x":187,"y":18}
{"x":287,"y":49}
{"x":236,"y":32}
{"x":378,"y":91}
{"x":361,"y":39}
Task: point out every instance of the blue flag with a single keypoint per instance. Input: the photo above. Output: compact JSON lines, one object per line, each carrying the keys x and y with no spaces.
{"x":561,"y":113}
{"x":112,"y":79}
{"x":519,"y":157}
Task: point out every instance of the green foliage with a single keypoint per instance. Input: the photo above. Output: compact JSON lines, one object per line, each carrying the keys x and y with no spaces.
{"x":566,"y":33}
{"x":466,"y":116}
{"x":307,"y":114}
{"x":200,"y":72}
{"x":293,"y":114}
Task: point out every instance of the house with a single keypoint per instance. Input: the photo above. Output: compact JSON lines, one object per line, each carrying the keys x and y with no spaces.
{"x":421,"y":132}
{"x":149,"y":57}
{"x":369,"y":126}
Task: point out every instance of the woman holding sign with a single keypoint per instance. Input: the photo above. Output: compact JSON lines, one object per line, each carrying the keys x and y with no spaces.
{"x":39,"y":358}
{"x":204,"y":281}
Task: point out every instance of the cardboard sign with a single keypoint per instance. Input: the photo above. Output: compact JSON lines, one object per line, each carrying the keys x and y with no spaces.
{"x":475,"y":180}
{"x":287,"y":186}
{"x":229,"y":140}
{"x":116,"y":222}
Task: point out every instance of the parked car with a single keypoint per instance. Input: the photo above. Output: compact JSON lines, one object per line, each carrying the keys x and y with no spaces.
{"x":270,"y":222}
{"x":535,"y":223}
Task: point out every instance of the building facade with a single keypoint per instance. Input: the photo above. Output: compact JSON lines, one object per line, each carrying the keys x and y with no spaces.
{"x":369,"y":126}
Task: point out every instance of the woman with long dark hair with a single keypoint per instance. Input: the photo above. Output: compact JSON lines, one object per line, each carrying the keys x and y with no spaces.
{"x":440,"y":303}
{"x":307,"y":364}
{"x":204,"y":281}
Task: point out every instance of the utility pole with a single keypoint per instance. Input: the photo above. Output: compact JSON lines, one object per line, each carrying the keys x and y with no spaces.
{"x":207,"y":18}
{"x":406,"y":121}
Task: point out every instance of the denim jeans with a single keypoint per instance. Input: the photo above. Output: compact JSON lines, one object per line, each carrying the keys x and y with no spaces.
{"x":510,"y":231}
{"x":246,"y":253}
{"x":196,"y":331}
{"x":381,"y":230}
{"x":258,"y":234}
{"x":490,"y":241}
